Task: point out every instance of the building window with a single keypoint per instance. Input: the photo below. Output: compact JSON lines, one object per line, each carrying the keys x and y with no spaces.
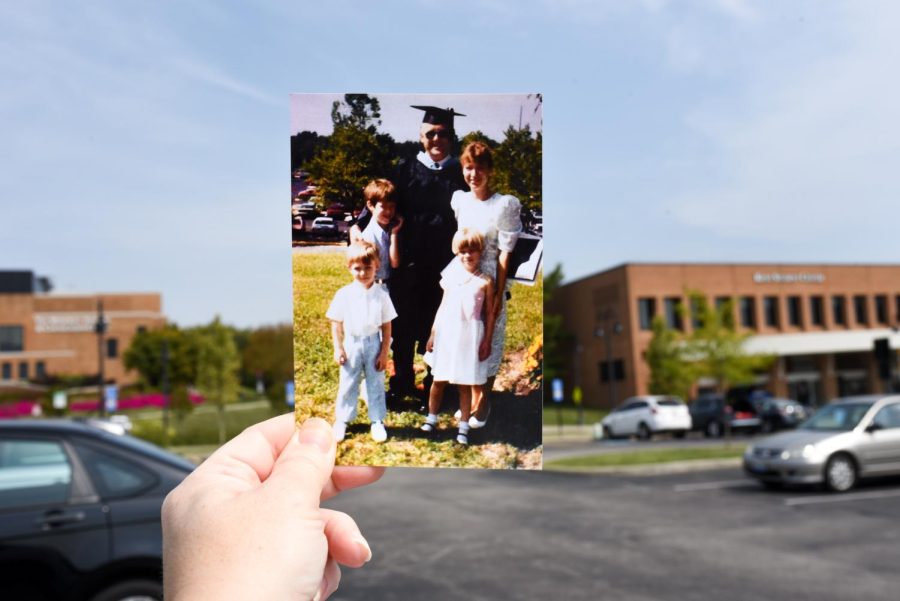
{"x":839,"y":310}
{"x":7,"y":371}
{"x":646,"y":312}
{"x":881,"y":309}
{"x":112,"y":348}
{"x":673,"y":314}
{"x":12,"y":338}
{"x":23,"y":370}
{"x":141,"y":329}
{"x":40,"y":370}
{"x":860,"y":310}
{"x":618,"y":370}
{"x":696,"y":306}
{"x":816,"y":311}
{"x":795,"y":309}
{"x":770,"y":308}
{"x":748,"y":311}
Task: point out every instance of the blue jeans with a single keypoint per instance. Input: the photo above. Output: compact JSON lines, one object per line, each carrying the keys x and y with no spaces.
{"x":361,"y":354}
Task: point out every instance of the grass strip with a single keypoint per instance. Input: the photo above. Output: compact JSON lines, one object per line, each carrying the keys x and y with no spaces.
{"x":647,"y":457}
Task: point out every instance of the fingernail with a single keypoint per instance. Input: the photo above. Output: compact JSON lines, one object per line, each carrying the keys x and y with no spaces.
{"x":315,"y":433}
{"x":365,"y":547}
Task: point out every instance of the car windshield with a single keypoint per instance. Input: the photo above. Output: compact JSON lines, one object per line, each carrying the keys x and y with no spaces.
{"x":669,"y":403}
{"x":841,"y":417}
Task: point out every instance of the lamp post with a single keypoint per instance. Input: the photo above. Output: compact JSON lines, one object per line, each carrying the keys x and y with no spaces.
{"x":576,"y":389}
{"x":609,"y":327}
{"x":100,"y":328}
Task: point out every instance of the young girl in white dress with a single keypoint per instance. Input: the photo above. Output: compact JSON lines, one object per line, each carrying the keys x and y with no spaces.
{"x":460,"y":340}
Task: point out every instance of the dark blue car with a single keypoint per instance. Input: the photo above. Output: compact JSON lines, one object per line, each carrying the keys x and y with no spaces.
{"x":80,"y":511}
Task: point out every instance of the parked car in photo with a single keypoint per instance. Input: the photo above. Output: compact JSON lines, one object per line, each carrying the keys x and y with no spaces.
{"x":306,"y":208}
{"x":80,"y":511}
{"x":644,"y":416}
{"x":714,"y":415}
{"x":848,"y":439}
{"x":780,"y":414}
{"x":324,"y":227}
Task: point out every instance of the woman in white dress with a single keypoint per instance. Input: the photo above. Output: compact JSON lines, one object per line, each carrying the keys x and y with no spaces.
{"x":498,"y":218}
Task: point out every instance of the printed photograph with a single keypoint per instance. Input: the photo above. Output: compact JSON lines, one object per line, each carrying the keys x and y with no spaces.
{"x":417,"y":248}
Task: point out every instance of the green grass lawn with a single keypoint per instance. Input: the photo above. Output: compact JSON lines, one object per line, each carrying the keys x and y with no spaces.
{"x":200,"y":427}
{"x":317,"y":276}
{"x":646,"y":457}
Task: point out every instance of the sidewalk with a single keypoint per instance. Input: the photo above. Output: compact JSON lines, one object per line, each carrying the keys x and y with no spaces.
{"x":552,"y":433}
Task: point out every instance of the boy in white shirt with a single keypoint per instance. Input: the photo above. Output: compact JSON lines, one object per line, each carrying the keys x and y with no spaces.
{"x":361,"y":315}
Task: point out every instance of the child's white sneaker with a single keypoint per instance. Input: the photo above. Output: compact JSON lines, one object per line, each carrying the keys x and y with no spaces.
{"x":340,"y":430}
{"x":379,"y":434}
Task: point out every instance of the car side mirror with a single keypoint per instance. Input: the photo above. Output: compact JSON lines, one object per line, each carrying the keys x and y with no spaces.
{"x":873,"y":427}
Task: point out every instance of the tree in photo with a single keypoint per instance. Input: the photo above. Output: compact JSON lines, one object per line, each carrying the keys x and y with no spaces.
{"x":218,"y":366}
{"x":517,"y":166}
{"x":671,"y":372}
{"x":354,"y":153}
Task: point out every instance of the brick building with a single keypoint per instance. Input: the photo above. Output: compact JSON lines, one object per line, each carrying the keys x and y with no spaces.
{"x":43,"y":334}
{"x":821,"y":321}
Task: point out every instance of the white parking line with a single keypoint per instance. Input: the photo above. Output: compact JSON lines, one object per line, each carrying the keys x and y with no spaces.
{"x":710,"y":485}
{"x":875,"y":494}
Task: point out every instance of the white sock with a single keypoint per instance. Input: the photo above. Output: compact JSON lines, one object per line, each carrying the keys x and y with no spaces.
{"x":464,"y":428}
{"x":432,"y":419}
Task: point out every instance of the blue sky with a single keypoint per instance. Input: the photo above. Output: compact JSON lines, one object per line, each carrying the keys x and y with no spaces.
{"x":145,"y":144}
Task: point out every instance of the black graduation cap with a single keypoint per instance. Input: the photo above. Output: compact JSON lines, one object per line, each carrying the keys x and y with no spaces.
{"x":438,"y":116}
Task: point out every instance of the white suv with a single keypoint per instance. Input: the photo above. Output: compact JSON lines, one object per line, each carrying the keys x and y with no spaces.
{"x":644,"y":416}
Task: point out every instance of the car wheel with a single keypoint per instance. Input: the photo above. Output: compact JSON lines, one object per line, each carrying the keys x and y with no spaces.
{"x":840,"y":473}
{"x":643,"y":432}
{"x":680,"y":434}
{"x":608,"y":433}
{"x":714,"y":429}
{"x":131,"y":590}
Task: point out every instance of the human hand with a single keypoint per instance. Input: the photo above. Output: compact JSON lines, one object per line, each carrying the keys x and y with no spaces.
{"x":381,"y":361}
{"x":484,"y":349}
{"x":355,"y":233}
{"x":246,"y":524}
{"x":340,"y":356}
{"x":398,"y":225}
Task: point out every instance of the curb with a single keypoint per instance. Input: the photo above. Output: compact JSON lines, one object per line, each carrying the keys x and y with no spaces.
{"x":652,"y":469}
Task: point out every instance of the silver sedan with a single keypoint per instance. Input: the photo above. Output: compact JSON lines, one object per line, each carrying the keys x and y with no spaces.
{"x":848,"y":439}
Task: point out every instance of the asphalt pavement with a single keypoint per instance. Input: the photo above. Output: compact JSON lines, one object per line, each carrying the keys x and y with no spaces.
{"x":705,"y":535}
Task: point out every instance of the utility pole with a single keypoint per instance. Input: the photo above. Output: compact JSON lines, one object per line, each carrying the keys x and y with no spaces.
{"x":100,"y":329}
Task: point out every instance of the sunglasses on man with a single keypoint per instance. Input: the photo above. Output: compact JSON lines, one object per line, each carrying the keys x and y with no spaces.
{"x":438,"y":133}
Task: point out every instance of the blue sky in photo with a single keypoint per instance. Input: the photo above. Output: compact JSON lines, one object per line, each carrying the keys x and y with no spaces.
{"x":144,"y":145}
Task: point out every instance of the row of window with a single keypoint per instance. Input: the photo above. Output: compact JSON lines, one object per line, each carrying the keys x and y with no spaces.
{"x":775,"y":315}
{"x":24,"y":373}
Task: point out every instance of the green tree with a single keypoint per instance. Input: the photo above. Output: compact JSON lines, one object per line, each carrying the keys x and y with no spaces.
{"x":517,"y":166}
{"x":717,"y":347}
{"x":557,"y":341}
{"x":713,"y":350}
{"x":145,"y":355}
{"x":218,"y":364}
{"x":670,"y":370}
{"x":354,"y":154}
{"x":269,"y":354}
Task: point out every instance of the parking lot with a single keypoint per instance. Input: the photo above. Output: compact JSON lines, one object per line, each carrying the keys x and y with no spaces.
{"x":443,"y":534}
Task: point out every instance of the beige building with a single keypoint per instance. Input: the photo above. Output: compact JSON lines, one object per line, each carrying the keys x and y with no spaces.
{"x":44,"y":334}
{"x":821,"y":321}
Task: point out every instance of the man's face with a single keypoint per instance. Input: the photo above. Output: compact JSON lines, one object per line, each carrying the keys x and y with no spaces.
{"x":383,"y":212}
{"x":435,"y":140}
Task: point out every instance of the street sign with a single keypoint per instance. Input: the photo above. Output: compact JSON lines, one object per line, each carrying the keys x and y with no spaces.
{"x":59,"y":400}
{"x":557,"y":386}
{"x":111,"y":398}
{"x":289,"y":393}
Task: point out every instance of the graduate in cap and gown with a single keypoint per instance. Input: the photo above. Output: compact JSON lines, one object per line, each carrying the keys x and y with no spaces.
{"x":424,"y":188}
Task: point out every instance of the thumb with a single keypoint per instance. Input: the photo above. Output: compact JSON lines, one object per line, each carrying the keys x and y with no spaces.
{"x":305,"y":464}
